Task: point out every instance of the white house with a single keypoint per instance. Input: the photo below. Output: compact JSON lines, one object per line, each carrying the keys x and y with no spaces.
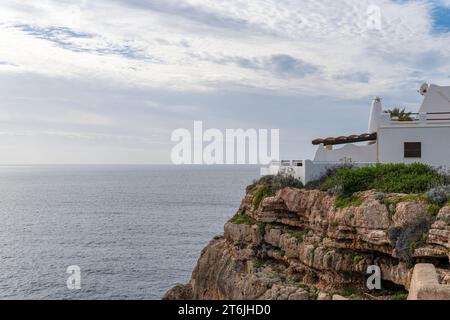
{"x":424,"y":137}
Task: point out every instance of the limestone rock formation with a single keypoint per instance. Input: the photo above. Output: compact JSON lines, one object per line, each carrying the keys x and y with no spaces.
{"x":298,"y":245}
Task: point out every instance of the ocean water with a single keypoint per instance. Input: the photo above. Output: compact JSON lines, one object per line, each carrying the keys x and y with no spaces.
{"x":134,"y":231}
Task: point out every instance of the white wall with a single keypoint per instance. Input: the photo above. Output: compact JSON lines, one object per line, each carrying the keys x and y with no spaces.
{"x":315,"y":170}
{"x":352,"y":152}
{"x":274,"y":169}
{"x":435,"y":144}
{"x":310,"y":170}
{"x":436,"y":100}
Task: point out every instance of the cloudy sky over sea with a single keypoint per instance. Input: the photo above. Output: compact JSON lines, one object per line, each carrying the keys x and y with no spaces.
{"x":107,"y":81}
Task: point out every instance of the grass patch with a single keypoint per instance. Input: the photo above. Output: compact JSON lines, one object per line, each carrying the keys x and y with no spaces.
{"x":261,"y":228}
{"x":389,"y":178}
{"x":346,"y":202}
{"x":418,"y":242}
{"x":357,"y":259}
{"x":400,"y":296}
{"x":260,"y":194}
{"x":413,"y":198}
{"x":405,"y":198}
{"x":433,"y":209}
{"x":242,"y":219}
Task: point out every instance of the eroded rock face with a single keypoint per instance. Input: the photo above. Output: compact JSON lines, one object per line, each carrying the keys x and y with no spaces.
{"x":297,"y":245}
{"x":438,"y":240}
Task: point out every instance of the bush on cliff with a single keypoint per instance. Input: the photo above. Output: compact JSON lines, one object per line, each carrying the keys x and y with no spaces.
{"x":267,"y":186}
{"x":439,"y":195}
{"x":276,"y":183}
{"x":406,"y":239}
{"x":395,"y":178}
{"x":260,"y":194}
{"x":242,"y":218}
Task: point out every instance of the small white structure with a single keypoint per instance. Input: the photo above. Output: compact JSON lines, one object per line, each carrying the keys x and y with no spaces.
{"x":423,"y":137}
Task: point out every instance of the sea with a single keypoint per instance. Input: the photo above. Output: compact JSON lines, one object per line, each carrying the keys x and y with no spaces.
{"x":132,"y":231}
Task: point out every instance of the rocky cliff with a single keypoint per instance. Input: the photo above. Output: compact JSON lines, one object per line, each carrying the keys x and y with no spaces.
{"x":299,"y":244}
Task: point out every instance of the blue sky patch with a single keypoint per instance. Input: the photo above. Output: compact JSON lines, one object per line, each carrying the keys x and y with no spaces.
{"x":64,"y":37}
{"x":441,"y":19}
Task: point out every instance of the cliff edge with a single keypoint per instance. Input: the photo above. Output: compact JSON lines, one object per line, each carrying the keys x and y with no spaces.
{"x":299,"y":244}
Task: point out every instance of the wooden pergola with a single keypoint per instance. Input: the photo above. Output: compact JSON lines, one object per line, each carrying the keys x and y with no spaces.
{"x":346,"y":139}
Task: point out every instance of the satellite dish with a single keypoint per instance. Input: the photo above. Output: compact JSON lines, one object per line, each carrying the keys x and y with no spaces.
{"x":423,"y":89}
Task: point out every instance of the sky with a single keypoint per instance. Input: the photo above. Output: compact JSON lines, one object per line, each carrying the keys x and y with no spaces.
{"x":108,"y":81}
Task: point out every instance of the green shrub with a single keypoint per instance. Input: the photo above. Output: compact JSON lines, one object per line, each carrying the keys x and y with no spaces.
{"x":330,"y":172}
{"x":260,"y":194}
{"x":413,"y":197}
{"x":433,"y":209}
{"x":261,"y":228}
{"x":242,"y":219}
{"x":400,"y":296}
{"x":407,"y":238}
{"x":439,"y":195}
{"x":357,"y":259}
{"x":276,"y":183}
{"x":345,"y":202}
{"x":390,"y":178}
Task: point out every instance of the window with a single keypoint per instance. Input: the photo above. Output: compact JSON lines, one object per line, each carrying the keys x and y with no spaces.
{"x":413,"y":149}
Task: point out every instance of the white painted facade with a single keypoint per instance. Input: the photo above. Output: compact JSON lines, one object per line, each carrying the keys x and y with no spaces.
{"x":434,"y":137}
{"x":348,"y":153}
{"x":428,"y":130}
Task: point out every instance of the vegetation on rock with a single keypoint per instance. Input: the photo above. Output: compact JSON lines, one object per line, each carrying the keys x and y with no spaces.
{"x":406,"y":239}
{"x":276,"y":183}
{"x":242,"y":218}
{"x":439,"y":195}
{"x":299,"y":244}
{"x":260,"y":194}
{"x":399,"y":178}
{"x":347,"y":201}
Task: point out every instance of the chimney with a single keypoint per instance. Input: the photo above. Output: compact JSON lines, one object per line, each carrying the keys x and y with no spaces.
{"x":375,"y":113}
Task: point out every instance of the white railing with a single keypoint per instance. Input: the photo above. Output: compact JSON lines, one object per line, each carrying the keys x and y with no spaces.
{"x":287,"y":163}
{"x":416,"y":119}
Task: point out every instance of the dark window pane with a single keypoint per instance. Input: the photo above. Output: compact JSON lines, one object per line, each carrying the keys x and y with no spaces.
{"x":413,"y":149}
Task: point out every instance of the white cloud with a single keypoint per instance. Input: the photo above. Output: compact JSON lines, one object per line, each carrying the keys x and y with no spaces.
{"x":178,"y":44}
{"x":138,"y":68}
{"x":71,"y":117}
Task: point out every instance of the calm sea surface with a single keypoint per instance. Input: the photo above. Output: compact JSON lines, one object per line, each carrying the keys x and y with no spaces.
{"x":134,"y":231}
